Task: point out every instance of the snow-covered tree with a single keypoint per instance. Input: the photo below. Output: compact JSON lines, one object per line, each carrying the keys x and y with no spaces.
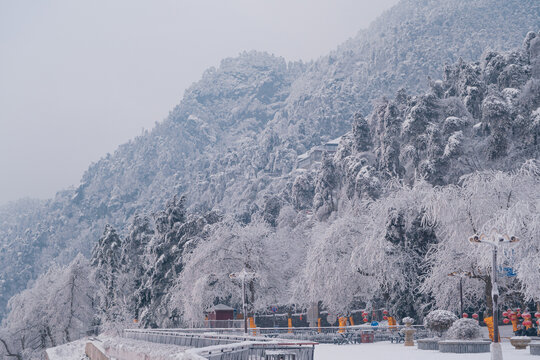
{"x":176,"y":233}
{"x":361,"y":133}
{"x":397,"y":241}
{"x":327,"y":275}
{"x":132,"y":264}
{"x":482,"y":202}
{"x":106,"y":260}
{"x":58,"y":308}
{"x":230,"y":248}
{"x":324,"y":201}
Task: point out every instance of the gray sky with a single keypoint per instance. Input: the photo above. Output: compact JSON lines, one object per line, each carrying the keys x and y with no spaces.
{"x":79,"y":78}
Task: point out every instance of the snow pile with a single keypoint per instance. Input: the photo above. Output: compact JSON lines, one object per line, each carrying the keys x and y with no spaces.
{"x":439,"y":321}
{"x":464,"y":329}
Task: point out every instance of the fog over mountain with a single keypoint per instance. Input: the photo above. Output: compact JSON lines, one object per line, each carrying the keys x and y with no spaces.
{"x":123,"y":65}
{"x":232,"y":143}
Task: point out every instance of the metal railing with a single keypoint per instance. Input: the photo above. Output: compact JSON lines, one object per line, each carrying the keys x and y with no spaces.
{"x":220,"y":324}
{"x":251,"y":351}
{"x":281,"y":331}
{"x":222,"y":346}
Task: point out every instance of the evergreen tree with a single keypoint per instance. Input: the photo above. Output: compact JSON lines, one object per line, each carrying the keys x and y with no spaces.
{"x":106,"y":260}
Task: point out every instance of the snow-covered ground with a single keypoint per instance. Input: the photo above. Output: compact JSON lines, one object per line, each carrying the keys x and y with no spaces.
{"x":138,"y":349}
{"x":387,"y":351}
{"x":128,"y":348}
{"x":70,"y":351}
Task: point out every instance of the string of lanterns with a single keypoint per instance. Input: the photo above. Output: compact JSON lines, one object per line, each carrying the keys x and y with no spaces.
{"x":510,"y":315}
{"x":474,"y":316}
{"x":365,"y":315}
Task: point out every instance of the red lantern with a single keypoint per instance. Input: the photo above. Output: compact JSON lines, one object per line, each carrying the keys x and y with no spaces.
{"x":506,"y":320}
{"x":527,"y":323}
{"x":509,"y":310}
{"x":465,"y":315}
{"x":364,"y":314}
{"x":518,"y":310}
{"x":385,"y":312}
{"x":385,"y":317}
{"x":537,"y":315}
{"x":526,"y":316}
{"x":365,"y":319}
{"x":475,"y":316}
{"x":505,"y":314}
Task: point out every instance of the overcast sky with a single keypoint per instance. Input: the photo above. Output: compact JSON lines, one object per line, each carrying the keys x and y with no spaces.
{"x":79,"y":78}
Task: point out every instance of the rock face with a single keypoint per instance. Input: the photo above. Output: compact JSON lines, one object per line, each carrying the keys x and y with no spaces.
{"x":233,"y":140}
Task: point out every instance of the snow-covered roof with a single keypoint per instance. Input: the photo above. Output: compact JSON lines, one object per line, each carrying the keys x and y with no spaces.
{"x":303,"y":156}
{"x":334,"y":142}
{"x":222,"y":307}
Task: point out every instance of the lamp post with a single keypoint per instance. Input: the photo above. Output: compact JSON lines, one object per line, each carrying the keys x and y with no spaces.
{"x":461,"y":274}
{"x":494,"y":239}
{"x":243,"y":275}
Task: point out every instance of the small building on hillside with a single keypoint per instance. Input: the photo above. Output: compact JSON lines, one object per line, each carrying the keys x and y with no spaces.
{"x":314,"y":155}
{"x":221,"y":312}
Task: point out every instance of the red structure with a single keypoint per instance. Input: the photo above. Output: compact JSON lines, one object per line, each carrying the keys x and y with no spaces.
{"x":222,"y":316}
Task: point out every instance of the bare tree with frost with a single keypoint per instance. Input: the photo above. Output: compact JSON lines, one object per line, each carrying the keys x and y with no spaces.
{"x":392,"y":247}
{"x":328,"y":275}
{"x":58,"y":308}
{"x":230,"y":248}
{"x":483,"y":201}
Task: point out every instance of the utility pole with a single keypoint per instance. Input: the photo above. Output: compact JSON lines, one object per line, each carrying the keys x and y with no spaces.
{"x":461,"y":274}
{"x":495,"y":295}
{"x":461,"y":293}
{"x":243,"y":275}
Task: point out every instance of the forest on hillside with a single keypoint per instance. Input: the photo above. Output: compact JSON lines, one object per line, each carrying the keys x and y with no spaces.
{"x":379,"y":223}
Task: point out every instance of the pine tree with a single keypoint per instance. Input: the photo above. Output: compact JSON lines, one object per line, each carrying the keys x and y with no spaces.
{"x":361,"y":133}
{"x":106,"y":259}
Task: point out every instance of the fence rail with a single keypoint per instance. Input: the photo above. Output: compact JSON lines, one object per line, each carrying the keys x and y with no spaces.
{"x":326,"y":334}
{"x":222,"y":346}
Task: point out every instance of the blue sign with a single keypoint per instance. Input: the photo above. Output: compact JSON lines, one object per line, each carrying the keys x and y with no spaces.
{"x":274,"y":309}
{"x":507,"y":271}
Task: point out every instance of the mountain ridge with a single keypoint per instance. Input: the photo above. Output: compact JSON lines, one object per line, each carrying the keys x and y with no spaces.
{"x":233,"y":140}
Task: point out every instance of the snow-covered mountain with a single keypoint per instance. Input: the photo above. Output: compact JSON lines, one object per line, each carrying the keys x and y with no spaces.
{"x":232,"y":142}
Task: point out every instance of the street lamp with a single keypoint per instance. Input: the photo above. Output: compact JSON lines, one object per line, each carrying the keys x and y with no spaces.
{"x":461,"y":274}
{"x":494,"y":239}
{"x":243,"y":275}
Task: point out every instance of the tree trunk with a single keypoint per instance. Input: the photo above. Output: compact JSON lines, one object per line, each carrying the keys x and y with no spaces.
{"x":49,"y":334}
{"x":9,"y":353}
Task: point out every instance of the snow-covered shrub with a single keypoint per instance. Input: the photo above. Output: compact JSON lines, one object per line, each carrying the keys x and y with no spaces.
{"x":439,"y":321}
{"x":464,"y":329}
